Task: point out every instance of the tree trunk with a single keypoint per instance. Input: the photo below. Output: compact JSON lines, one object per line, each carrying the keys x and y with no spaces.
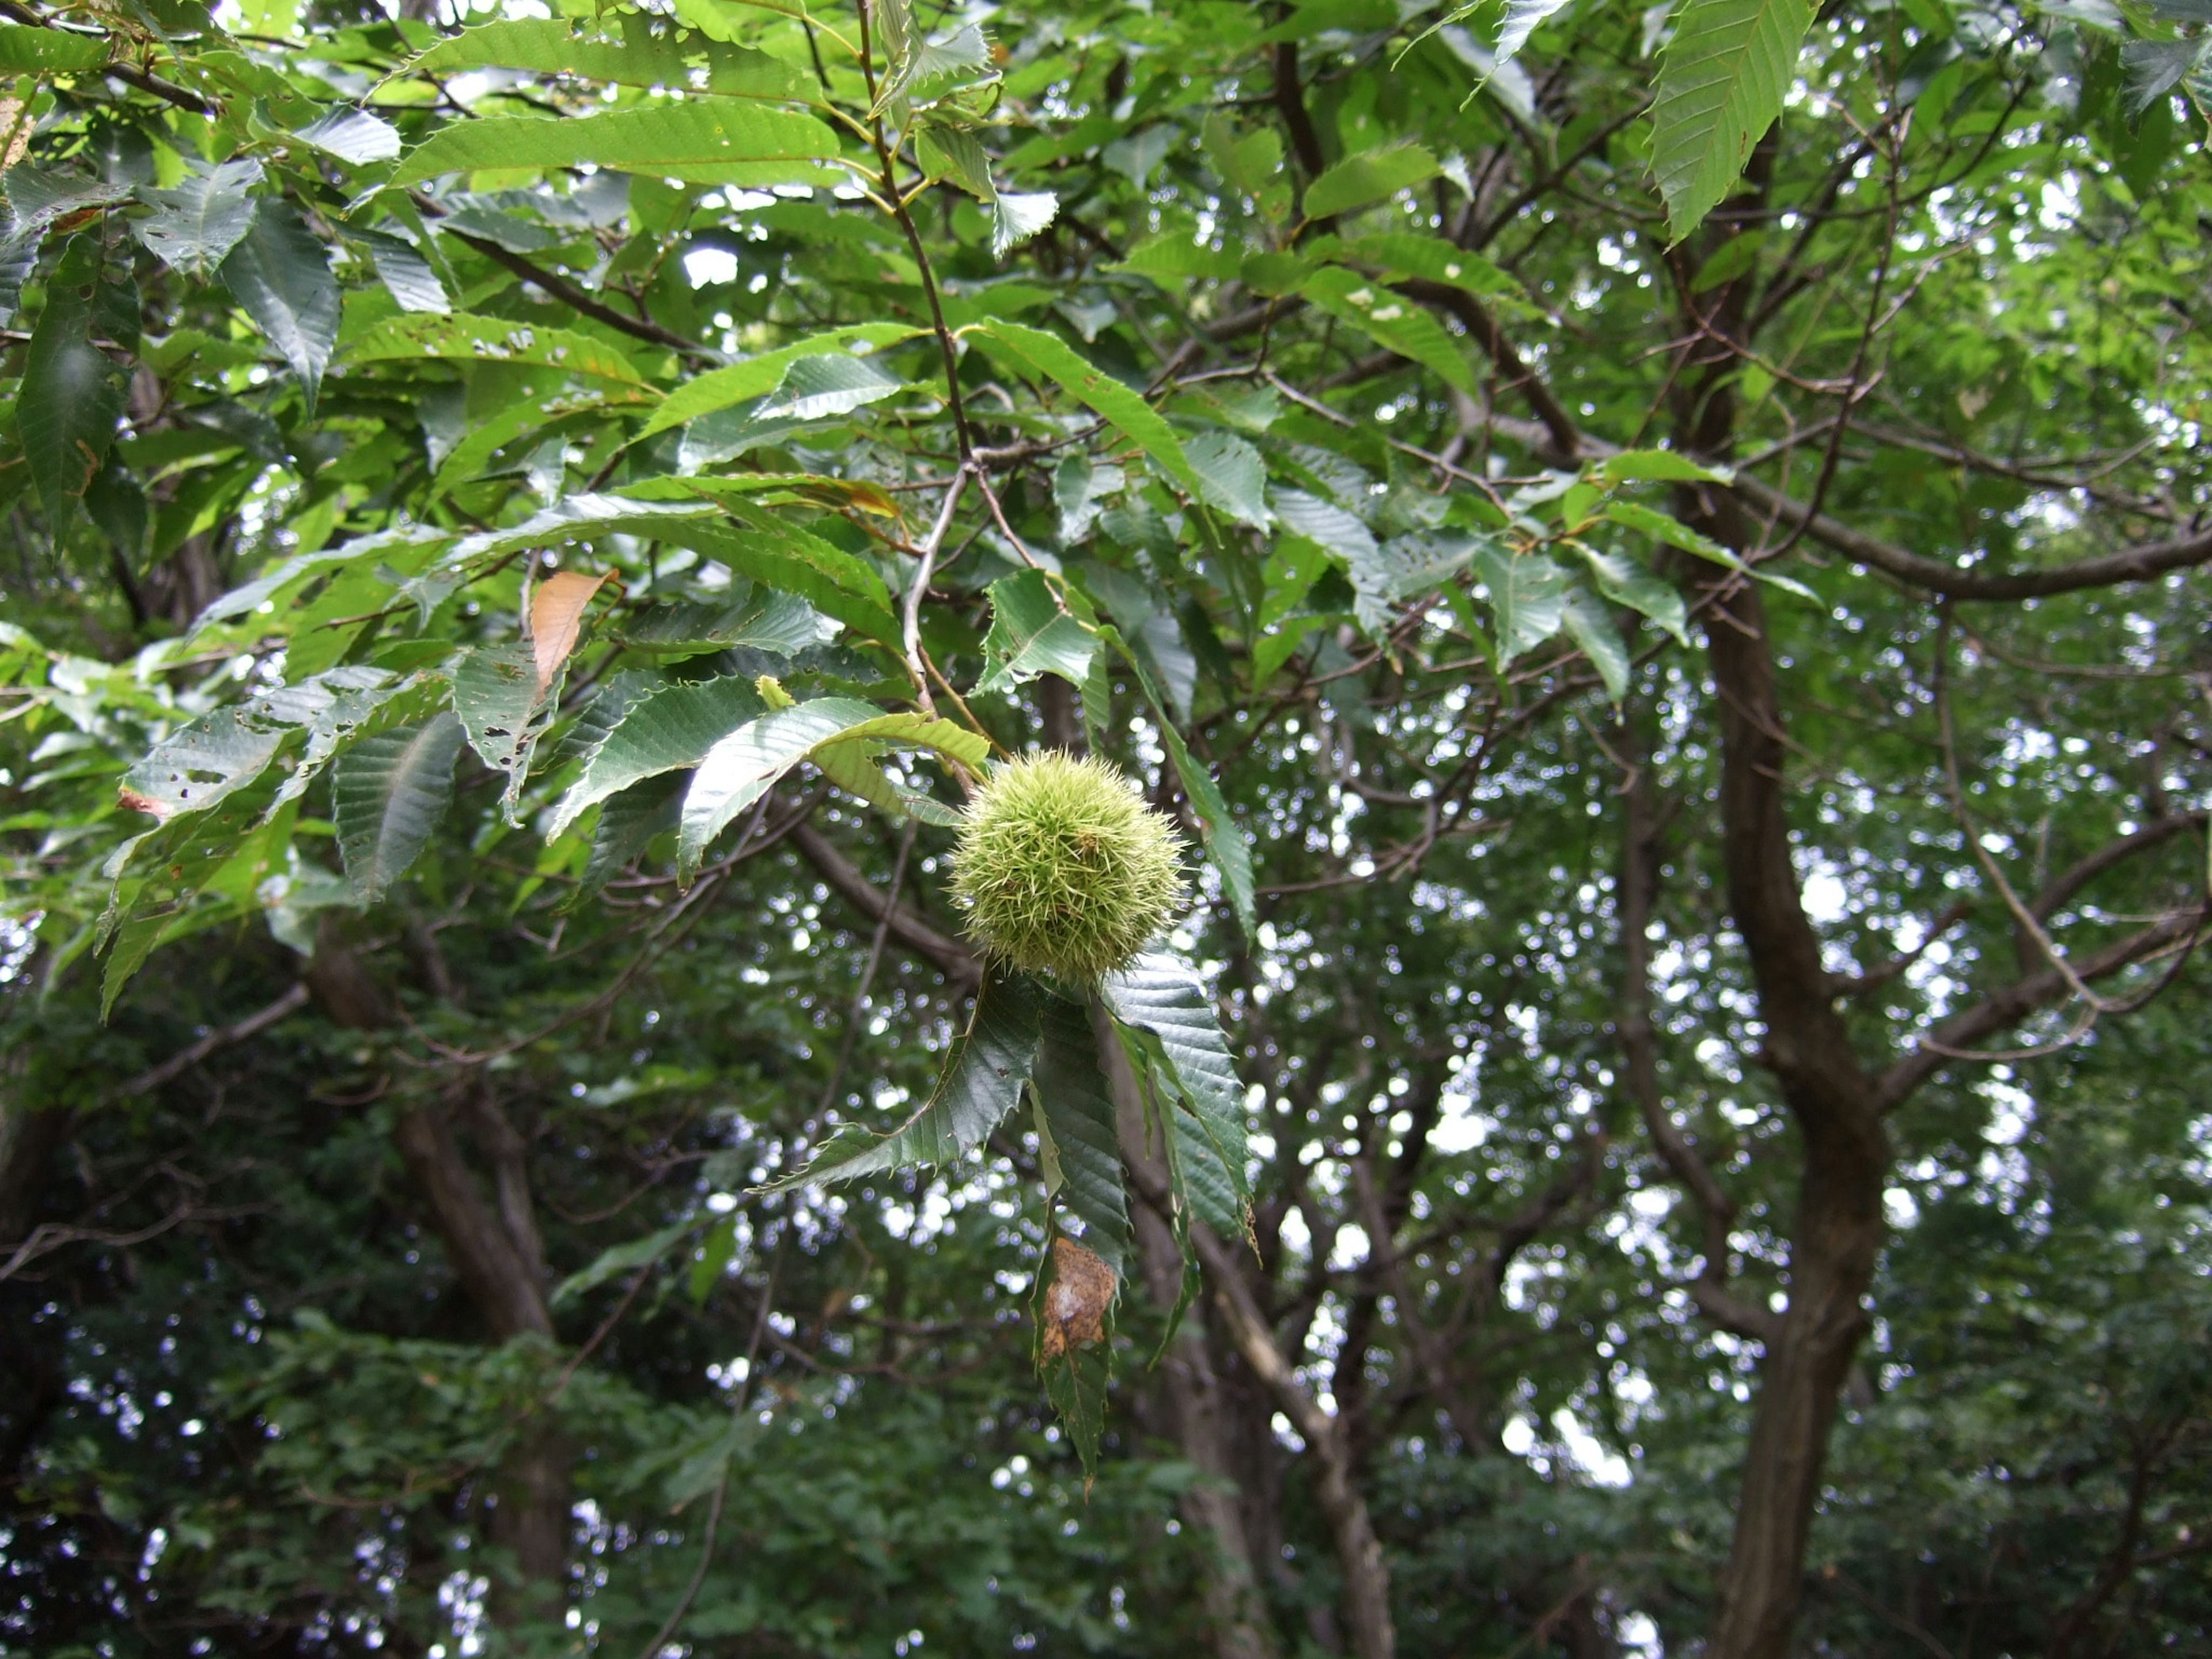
{"x":1838,"y":1228}
{"x":1196,"y":1404}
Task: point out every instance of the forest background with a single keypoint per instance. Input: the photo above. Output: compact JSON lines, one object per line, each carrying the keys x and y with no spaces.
{"x":1654,"y":557}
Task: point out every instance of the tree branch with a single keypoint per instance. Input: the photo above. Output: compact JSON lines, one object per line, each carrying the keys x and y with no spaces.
{"x":958,"y":962}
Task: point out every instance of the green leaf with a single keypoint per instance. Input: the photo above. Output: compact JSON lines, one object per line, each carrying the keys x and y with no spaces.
{"x":353,"y":136}
{"x":387,"y":794}
{"x":1657,"y":465}
{"x":746,"y":765}
{"x":668,"y":730}
{"x":1232,"y":854}
{"x":194,"y":227}
{"x":1392,"y":322}
{"x":646,"y":53}
{"x":1368,"y":177}
{"x":1529,"y":595}
{"x":1666,"y":527}
{"x":624,"y":1258}
{"x":1591,"y":627}
{"x":461,"y":337}
{"x":1326,"y":526}
{"x":757,"y":377}
{"x":1116,"y":405}
{"x":191,"y":770}
{"x":1625,"y":581}
{"x":407,"y":276}
{"x":1230,"y":475}
{"x":1032,"y":635}
{"x":629,"y":824}
{"x":1522,"y":18}
{"x":781,"y":623}
{"x":702,"y":141}
{"x":496,"y":694}
{"x":72,"y":396}
{"x":1405,"y":254}
{"x":1164,"y":998}
{"x":1173,"y":258}
{"x":981,"y":1083}
{"x":282,"y":275}
{"x":24,"y":49}
{"x":1720,"y":84}
{"x":1078,"y":1143}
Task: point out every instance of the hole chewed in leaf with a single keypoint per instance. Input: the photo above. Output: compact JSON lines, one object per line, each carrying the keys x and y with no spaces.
{"x":1082,"y":1290}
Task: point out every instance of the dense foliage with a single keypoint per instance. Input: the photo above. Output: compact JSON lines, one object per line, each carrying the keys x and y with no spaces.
{"x":1651,"y":558}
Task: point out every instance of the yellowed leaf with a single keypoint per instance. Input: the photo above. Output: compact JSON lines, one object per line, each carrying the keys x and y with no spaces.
{"x":556,"y":611}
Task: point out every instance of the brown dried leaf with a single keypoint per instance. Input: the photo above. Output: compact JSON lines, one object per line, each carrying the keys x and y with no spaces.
{"x":556,"y":611}
{"x":1075,"y":1305}
{"x":138,"y":802}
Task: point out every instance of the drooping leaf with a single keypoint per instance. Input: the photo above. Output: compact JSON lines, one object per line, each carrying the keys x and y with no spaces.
{"x":504,"y":711}
{"x":1392,"y":322}
{"x":1625,"y":581}
{"x":1121,"y":408}
{"x":352,"y":135}
{"x":387,"y":794}
{"x":702,"y":142}
{"x":1080,"y":1144}
{"x":623,"y":1258}
{"x":1224,"y":841}
{"x":71,"y":395}
{"x":1589,"y":626}
{"x":194,"y":227}
{"x":407,"y":275}
{"x":1017,"y":216}
{"x":1404,"y":253}
{"x":1368,"y":177}
{"x":1522,"y":18}
{"x":981,"y":1083}
{"x":629,"y":820}
{"x":556,"y":613}
{"x":1722,"y":80}
{"x":1527,"y":595}
{"x":1164,"y":998}
{"x":282,"y":275}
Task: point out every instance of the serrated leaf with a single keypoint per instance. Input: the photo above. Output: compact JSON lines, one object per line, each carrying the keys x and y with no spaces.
{"x":747,"y":763}
{"x":1392,"y":322}
{"x":505,"y":712}
{"x":703,"y":142}
{"x":1591,"y":627}
{"x":1429,"y":257}
{"x":1079,"y":1143}
{"x":1231,"y":477}
{"x":832,"y":384}
{"x":646,"y":53}
{"x":2155,"y":67}
{"x":1030,"y":635}
{"x":757,"y":377}
{"x":70,"y":396}
{"x":1017,"y":216}
{"x":1116,"y":405}
{"x":194,"y":768}
{"x":353,"y":136}
{"x":1658,"y":465}
{"x":1529,"y":595}
{"x":668,"y":730}
{"x":194,"y":227}
{"x":1625,"y":581}
{"x":1224,"y":841}
{"x":1523,"y":19}
{"x":1722,"y":79}
{"x":25,"y":50}
{"x":628,"y":822}
{"x":387,"y":794}
{"x":779,"y":624}
{"x":1164,"y":997}
{"x":1327,"y":525}
{"x":460,"y":336}
{"x":407,"y":275}
{"x":282,"y":275}
{"x":1368,"y":177}
{"x":981,"y":1083}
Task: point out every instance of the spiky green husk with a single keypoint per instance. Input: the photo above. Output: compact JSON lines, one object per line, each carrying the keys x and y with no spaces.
{"x":1062,"y":868}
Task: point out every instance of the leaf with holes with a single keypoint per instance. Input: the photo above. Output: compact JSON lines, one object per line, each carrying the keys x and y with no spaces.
{"x":387,"y":793}
{"x":981,"y":1083}
{"x":504,"y":711}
